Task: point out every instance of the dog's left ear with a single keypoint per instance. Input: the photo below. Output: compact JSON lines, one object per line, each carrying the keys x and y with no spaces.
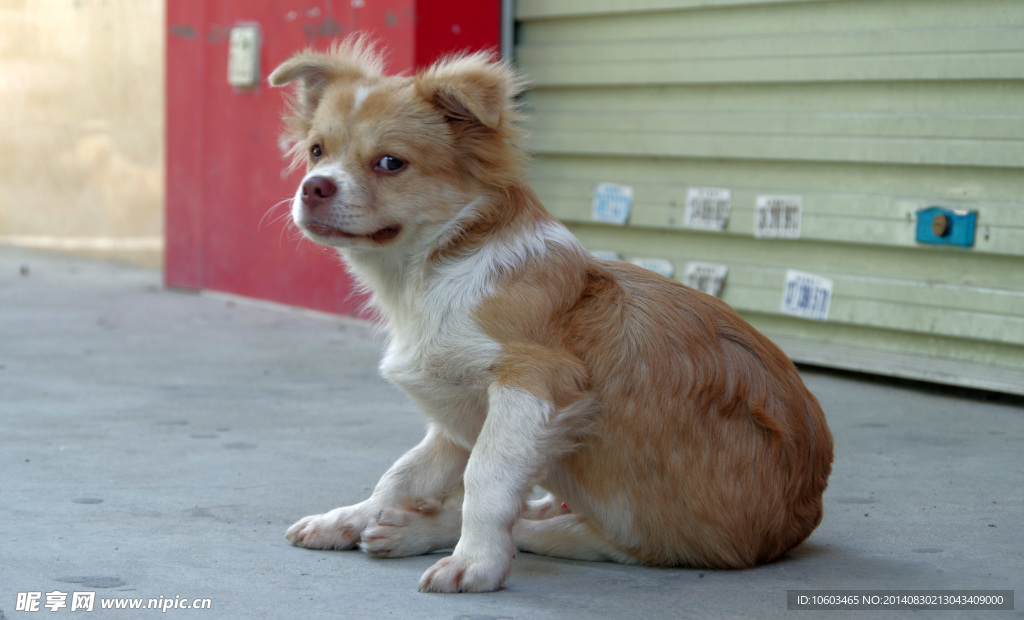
{"x":471,"y":88}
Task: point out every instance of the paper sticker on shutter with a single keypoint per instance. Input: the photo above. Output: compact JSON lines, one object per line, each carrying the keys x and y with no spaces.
{"x":657,"y":265}
{"x":778,"y":217}
{"x":244,"y":56}
{"x":706,"y":277}
{"x":807,"y":296}
{"x":707,"y":208}
{"x":612,"y":203}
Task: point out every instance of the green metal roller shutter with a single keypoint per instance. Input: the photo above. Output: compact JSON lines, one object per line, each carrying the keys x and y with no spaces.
{"x":867,"y":111}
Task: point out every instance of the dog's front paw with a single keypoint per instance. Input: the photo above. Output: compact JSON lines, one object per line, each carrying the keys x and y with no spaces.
{"x":402,"y":532}
{"x":338,"y":529}
{"x":459,"y":574}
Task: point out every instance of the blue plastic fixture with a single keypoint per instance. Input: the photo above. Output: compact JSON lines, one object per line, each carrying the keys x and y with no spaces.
{"x":941,"y":226}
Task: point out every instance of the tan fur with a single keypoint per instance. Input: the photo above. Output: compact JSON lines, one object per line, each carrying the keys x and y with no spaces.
{"x":701,"y":415}
{"x":675,"y":433}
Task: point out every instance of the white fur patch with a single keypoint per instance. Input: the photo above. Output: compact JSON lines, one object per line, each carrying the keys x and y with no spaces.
{"x":557,"y":234}
{"x":473,"y":278}
{"x":362,"y":93}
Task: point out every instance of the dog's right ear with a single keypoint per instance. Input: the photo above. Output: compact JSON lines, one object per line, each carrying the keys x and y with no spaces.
{"x":354,"y":58}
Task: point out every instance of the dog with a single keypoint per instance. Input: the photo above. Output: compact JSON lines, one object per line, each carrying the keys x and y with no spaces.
{"x":665,"y":429}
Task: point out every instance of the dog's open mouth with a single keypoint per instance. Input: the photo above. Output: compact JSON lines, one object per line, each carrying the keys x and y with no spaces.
{"x":386,"y":234}
{"x":322,"y":230}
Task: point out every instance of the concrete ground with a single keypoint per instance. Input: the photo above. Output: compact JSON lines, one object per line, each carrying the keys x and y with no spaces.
{"x":158,"y":444}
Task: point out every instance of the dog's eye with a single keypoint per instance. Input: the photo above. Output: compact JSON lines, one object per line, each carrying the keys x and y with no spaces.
{"x":390,"y":164}
{"x":316,"y":152}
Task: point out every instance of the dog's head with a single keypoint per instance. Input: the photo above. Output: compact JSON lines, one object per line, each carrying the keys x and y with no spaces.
{"x":394,"y":160}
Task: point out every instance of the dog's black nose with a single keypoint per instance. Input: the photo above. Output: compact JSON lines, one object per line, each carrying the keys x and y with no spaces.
{"x":316,"y":191}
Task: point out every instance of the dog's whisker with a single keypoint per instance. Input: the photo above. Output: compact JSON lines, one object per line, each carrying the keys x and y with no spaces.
{"x":277,"y":218}
{"x":294,"y":235}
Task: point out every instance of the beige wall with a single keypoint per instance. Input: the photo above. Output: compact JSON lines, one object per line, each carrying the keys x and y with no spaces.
{"x":81,"y":126}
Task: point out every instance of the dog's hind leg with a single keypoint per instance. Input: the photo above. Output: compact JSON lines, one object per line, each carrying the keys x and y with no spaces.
{"x":544,"y":508}
{"x":568,"y":536}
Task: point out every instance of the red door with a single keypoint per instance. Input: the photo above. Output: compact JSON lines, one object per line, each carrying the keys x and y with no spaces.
{"x":227,"y":193}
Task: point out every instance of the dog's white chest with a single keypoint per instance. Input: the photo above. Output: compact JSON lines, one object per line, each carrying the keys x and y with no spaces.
{"x":447,"y":377}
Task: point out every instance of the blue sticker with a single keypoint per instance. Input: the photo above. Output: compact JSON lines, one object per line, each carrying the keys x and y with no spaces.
{"x":612,"y":203}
